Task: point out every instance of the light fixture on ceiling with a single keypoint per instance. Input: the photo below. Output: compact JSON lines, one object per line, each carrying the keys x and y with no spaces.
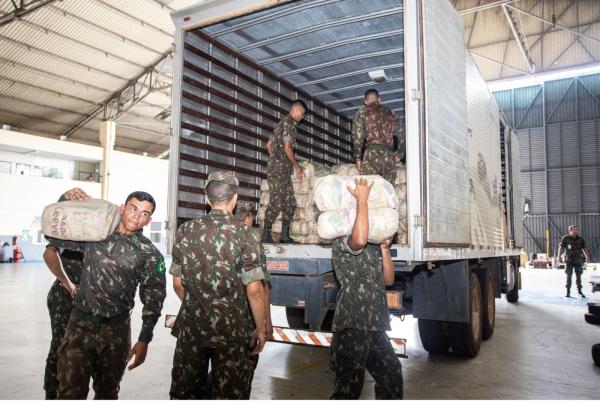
{"x":5,"y":126}
{"x":62,"y":137}
{"x":378,"y":76}
{"x":145,"y":154}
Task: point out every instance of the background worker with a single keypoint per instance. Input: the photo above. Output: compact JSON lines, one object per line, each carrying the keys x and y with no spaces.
{"x":282,"y":164}
{"x":361,"y":315}
{"x":60,"y":299}
{"x":376,"y":125}
{"x":575,"y":248}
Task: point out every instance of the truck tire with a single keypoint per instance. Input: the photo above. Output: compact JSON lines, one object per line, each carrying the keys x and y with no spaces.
{"x":465,"y":338}
{"x":596,"y":354}
{"x":488,"y":292}
{"x":512,"y":295}
{"x":592,"y":319}
{"x":594,"y":308}
{"x":295,"y":318}
{"x":433,"y":337}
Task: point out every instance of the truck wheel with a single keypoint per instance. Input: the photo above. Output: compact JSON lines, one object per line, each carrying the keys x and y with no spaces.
{"x":488,"y":291}
{"x":512,"y":295}
{"x":295,"y":318}
{"x":592,"y":319}
{"x":465,"y":338}
{"x":596,"y":354}
{"x":594,"y":308}
{"x":432,"y":336}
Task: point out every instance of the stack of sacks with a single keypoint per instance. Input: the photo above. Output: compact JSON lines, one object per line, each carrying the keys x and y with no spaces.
{"x":303,"y":228}
{"x":400,"y":188}
{"x":338,"y":207}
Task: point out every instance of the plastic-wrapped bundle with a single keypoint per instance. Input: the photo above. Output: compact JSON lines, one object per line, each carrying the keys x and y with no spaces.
{"x":383,"y":223}
{"x":82,"y":220}
{"x":331,"y":193}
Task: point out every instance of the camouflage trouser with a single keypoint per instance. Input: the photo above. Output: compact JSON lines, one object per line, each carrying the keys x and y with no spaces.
{"x":570,"y":267}
{"x":251,"y":363}
{"x":229,"y":374}
{"x":352,"y":351}
{"x":379,"y":160}
{"x":281,"y":197}
{"x":60,"y":304}
{"x":93,"y":349}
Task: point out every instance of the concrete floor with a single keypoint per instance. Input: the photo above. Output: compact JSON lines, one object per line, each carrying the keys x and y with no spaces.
{"x":540,"y":350}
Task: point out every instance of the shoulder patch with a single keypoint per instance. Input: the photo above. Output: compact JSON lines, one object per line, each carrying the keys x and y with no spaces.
{"x":160,"y":267}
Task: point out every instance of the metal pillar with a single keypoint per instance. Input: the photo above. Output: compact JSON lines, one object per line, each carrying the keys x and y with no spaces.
{"x":107,"y":140}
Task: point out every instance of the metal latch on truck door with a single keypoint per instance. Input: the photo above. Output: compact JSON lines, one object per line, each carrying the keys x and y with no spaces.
{"x":416,"y":94}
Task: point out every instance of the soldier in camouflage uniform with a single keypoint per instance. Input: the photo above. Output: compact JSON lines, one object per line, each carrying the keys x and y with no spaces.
{"x":245,"y":212}
{"x":377,"y":125}
{"x":97,"y":342}
{"x":60,"y":302}
{"x":222,"y":316}
{"x":361,"y":315}
{"x":575,"y":248}
{"x":282,"y":164}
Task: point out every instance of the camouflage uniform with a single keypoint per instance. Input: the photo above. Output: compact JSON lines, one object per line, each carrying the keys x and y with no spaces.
{"x":377,"y":125}
{"x":217,"y":255}
{"x":60,"y":305}
{"x":574,"y":259}
{"x":98,"y":336}
{"x":279,"y":172}
{"x":359,"y":325}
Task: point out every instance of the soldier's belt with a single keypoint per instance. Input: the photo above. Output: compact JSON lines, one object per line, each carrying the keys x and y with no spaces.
{"x":99,"y":319}
{"x":380,"y":146}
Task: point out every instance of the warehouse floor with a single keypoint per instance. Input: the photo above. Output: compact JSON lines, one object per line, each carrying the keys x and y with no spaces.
{"x":540,"y":350}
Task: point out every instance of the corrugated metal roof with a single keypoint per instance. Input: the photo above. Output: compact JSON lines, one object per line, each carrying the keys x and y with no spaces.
{"x":72,"y":55}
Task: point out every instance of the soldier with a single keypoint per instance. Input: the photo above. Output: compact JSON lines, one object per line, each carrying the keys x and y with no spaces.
{"x":222,"y":316}
{"x":575,"y":247}
{"x":245,"y":212}
{"x":60,"y":300}
{"x":377,"y":125}
{"x":281,"y":166}
{"x":361,"y":315}
{"x":97,"y":342}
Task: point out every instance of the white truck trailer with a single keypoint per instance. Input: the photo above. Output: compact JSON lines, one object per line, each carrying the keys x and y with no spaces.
{"x":237,"y":66}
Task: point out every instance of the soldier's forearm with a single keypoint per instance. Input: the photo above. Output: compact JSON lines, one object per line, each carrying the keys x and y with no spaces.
{"x":289,"y":152}
{"x":256,"y":298}
{"x":52,"y":259}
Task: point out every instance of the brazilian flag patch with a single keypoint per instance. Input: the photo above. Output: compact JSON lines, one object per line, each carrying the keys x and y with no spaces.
{"x":160,"y":268}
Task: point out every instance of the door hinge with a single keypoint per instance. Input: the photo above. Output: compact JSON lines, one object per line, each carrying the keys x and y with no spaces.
{"x":416,"y":94}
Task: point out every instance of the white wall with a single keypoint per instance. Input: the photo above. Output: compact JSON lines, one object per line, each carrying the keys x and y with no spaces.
{"x":22,"y":198}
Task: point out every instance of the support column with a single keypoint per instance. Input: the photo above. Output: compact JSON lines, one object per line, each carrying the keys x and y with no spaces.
{"x":107,"y":140}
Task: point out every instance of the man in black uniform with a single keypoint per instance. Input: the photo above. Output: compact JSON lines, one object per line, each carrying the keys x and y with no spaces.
{"x":575,"y":248}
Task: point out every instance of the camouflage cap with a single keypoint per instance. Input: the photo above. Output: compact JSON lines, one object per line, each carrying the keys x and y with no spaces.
{"x":227,"y":177}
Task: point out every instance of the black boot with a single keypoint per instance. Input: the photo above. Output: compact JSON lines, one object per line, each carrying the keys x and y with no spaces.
{"x":285,"y":234}
{"x":267,"y":238}
{"x":568,"y":292}
{"x":581,"y":295}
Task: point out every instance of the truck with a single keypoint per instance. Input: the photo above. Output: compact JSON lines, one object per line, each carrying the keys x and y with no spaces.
{"x":238,"y":65}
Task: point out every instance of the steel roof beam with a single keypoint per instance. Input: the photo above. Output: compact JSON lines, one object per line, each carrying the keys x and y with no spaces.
{"x":125,"y":98}
{"x":322,"y":26}
{"x":519,"y":38}
{"x":36,"y":87}
{"x":22,"y":10}
{"x":344,"y":60}
{"x":347,"y":41}
{"x":273,"y":16}
{"x":486,"y":6}
{"x":493,"y":61}
{"x":349,"y":74}
{"x":134,"y":18}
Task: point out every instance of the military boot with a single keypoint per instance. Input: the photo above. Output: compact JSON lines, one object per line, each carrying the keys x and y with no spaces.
{"x":267,"y":238}
{"x":568,"y":292}
{"x":285,"y":234}
{"x":581,"y":295}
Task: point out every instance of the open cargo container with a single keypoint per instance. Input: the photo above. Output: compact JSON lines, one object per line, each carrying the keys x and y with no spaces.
{"x":238,"y":65}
